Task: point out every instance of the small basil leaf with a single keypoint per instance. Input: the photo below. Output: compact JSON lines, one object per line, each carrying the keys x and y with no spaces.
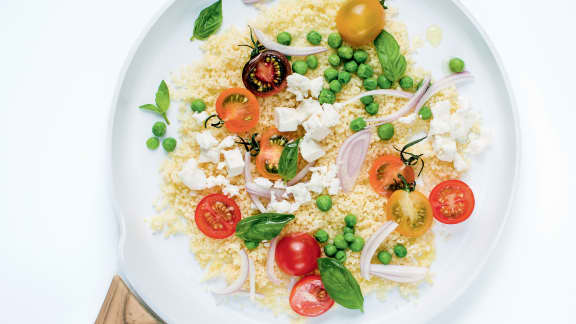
{"x":209,"y":20}
{"x":393,"y":63}
{"x":340,"y":284}
{"x":151,"y":107}
{"x":262,"y":226}
{"x":163,"y":97}
{"x":288,"y":164}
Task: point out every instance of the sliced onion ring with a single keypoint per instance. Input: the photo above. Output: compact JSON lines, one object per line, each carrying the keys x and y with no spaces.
{"x":252,"y":272}
{"x":372,"y":245}
{"x":351,"y":157}
{"x":256,"y":190}
{"x":301,"y":174}
{"x":379,"y":92}
{"x":287,"y":50}
{"x":237,"y":284}
{"x":442,"y":84}
{"x":407,"y":108}
{"x":399,"y":273}
{"x":271,"y":260}
{"x":248,"y":178}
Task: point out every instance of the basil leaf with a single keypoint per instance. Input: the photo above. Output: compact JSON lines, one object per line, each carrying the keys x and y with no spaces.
{"x":340,"y":284}
{"x":288,"y":164}
{"x":163,"y":97}
{"x":209,"y":20}
{"x":262,"y":226}
{"x":393,"y":63}
{"x":151,"y":107}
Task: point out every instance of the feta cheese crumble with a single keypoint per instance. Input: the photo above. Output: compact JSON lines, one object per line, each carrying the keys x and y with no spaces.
{"x":234,"y":162}
{"x":302,"y":87}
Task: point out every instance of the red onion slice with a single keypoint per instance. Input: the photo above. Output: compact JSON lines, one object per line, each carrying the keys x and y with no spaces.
{"x":237,"y":284}
{"x":287,"y":50}
{"x":399,"y":273}
{"x":444,"y":83}
{"x":372,"y":245}
{"x":407,"y":108}
{"x":250,"y":1}
{"x":258,"y":191}
{"x":379,"y":92}
{"x":248,"y":178}
{"x":301,"y":174}
{"x":252,"y":272}
{"x":351,"y":157}
{"x":271,"y":260}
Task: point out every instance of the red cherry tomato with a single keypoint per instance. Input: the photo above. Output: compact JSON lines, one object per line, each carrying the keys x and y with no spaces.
{"x":309,"y":298}
{"x":452,"y":201}
{"x":217,"y":215}
{"x":296,"y":254}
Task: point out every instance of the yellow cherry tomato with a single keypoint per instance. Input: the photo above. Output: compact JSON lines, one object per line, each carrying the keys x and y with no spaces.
{"x":360,"y":21}
{"x":412,"y":212}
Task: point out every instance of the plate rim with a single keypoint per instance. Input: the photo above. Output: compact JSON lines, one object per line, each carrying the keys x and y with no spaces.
{"x":120,"y":221}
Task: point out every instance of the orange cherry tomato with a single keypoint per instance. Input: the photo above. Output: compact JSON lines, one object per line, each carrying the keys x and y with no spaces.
{"x":239,"y":109}
{"x":360,"y":21}
{"x":412,"y":212}
{"x":271,"y":147}
{"x":452,"y":201}
{"x":384,"y":174}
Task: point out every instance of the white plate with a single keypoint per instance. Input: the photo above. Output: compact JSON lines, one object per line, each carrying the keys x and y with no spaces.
{"x":164,"y":272}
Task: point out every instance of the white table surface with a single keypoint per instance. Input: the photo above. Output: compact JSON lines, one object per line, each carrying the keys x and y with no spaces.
{"x":59,"y":63}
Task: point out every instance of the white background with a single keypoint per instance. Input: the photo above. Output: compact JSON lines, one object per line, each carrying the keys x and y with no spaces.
{"x":59,"y":64}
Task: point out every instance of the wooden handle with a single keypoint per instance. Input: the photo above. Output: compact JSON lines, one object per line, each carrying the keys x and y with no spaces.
{"x":122,"y":307}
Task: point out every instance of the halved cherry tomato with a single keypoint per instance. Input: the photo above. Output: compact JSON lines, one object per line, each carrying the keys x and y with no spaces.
{"x":452,"y":201}
{"x":266,"y":72}
{"x":271,"y":147}
{"x":217,"y":215}
{"x":384,"y":172}
{"x":297,"y":254}
{"x":309,"y":298}
{"x":239,"y":109}
{"x":412,"y":212}
{"x":360,"y":21}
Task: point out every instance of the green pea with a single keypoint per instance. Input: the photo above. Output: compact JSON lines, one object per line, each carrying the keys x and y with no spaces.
{"x":326,"y":96}
{"x":284,"y":38}
{"x":334,"y":60}
{"x":330,"y":250}
{"x":334,"y":40}
{"x":169,"y":144}
{"x":400,"y":250}
{"x":198,"y":105}
{"x":383,"y":82}
{"x":357,"y":245}
{"x":350,"y":220}
{"x":349,"y":237}
{"x":312,"y":62}
{"x":324,"y":202}
{"x":384,"y":257}
{"x":344,"y":77}
{"x":321,"y":236}
{"x":314,"y":37}
{"x":340,"y":242}
{"x":152,"y":143}
{"x":366,"y":100}
{"x":365,"y":71}
{"x":335,"y":86}
{"x":159,"y":129}
{"x":346,"y":52}
{"x":347,"y":229}
{"x":425,"y":113}
{"x":358,"y":124}
{"x":351,"y":66}
{"x":360,"y":56}
{"x":330,"y":74}
{"x":456,"y":65}
{"x":251,"y":245}
{"x":386,"y":131}
{"x":370,"y":84}
{"x":372,"y":109}
{"x":300,"y":67}
{"x":340,"y":256}
{"x":406,"y":83}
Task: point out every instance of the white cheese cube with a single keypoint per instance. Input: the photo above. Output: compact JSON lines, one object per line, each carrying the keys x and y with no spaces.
{"x":263,"y":183}
{"x":310,"y":150}
{"x":209,"y":156}
{"x":287,"y":119}
{"x":461,"y":163}
{"x":330,"y":116}
{"x":441,"y":119}
{"x":217,"y":181}
{"x":300,"y":193}
{"x":231,"y":190}
{"x":279,"y":184}
{"x":200,"y":117}
{"x":206,"y":140}
{"x":315,"y":128}
{"x":316,"y":86}
{"x":234,"y":162}
{"x":299,"y":85}
{"x":227,"y":142}
{"x":308,"y":108}
{"x":193,"y":177}
{"x":444,"y":147}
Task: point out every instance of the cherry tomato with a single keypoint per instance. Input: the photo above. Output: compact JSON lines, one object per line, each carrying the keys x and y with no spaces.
{"x":412,"y":212}
{"x":217,"y":215}
{"x":309,"y":298}
{"x":384,"y":174}
{"x":360,"y":21}
{"x":265,"y":74}
{"x":296,"y":254}
{"x":452,"y":201}
{"x":239,"y":109}
{"x":271,"y":147}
